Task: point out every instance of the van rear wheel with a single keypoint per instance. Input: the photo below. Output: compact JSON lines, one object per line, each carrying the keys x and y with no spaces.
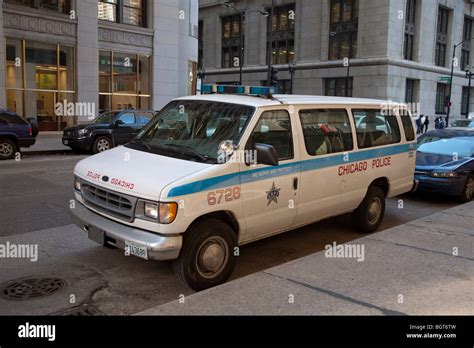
{"x":369,"y":215}
{"x":207,"y":258}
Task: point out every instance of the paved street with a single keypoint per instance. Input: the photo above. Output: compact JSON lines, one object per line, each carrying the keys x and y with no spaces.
{"x":34,"y":200}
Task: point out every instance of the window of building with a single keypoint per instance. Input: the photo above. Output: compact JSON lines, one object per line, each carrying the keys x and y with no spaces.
{"x":442,"y":37}
{"x":410,"y":91}
{"x":376,"y":127}
{"x":282,"y":25}
{"x":130,"y":12}
{"x":200,"y":44}
{"x":124,"y":81}
{"x":40,"y":79}
{"x":274,"y":128}
{"x":464,"y":98}
{"x":410,"y":28}
{"x":441,"y":98}
{"x":336,"y":87}
{"x":326,"y":131}
{"x":466,"y":46}
{"x":62,"y":6}
{"x":231,"y":29}
{"x":344,"y":23}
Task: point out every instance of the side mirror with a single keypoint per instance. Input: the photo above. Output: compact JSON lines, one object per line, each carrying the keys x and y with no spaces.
{"x":266,"y":155}
{"x":117,"y":123}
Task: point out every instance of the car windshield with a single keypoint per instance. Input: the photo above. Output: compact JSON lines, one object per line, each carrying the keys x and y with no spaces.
{"x":106,"y":117}
{"x":461,"y":147}
{"x":464,"y":123}
{"x":194,"y":128}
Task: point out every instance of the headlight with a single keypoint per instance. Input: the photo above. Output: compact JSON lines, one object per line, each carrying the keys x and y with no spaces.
{"x":444,"y":175}
{"x":164,"y":213}
{"x":77,"y":184}
{"x":151,"y":210}
{"x":81,"y":132}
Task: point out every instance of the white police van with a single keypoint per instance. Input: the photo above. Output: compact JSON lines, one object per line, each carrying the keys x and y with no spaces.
{"x":213,"y":172}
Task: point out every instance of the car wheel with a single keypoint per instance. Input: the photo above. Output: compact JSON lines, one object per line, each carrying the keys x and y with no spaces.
{"x":468,"y":192}
{"x":369,"y":215}
{"x":101,"y":144}
{"x":8,"y":149}
{"x":207,"y":257}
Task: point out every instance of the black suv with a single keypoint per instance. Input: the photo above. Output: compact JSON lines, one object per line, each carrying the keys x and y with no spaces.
{"x":15,"y":132}
{"x":110,"y":129}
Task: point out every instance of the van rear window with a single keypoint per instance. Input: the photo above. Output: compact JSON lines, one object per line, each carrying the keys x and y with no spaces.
{"x":376,"y":127}
{"x":407,"y":125}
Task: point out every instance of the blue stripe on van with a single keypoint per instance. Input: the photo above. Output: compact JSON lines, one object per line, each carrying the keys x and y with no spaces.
{"x":285,"y":169}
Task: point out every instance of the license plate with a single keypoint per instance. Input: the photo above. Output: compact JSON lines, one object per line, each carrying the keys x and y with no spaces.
{"x":136,"y":250}
{"x":65,"y":142}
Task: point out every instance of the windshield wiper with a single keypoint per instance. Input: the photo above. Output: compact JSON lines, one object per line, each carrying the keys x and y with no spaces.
{"x":189,"y":151}
{"x":139,"y":141}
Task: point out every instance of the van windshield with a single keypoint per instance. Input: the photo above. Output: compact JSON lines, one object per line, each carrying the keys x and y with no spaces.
{"x":194,"y":129}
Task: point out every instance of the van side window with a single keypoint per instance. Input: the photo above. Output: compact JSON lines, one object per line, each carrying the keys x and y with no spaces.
{"x":326,"y":131}
{"x":407,"y":125}
{"x":274,"y":128}
{"x":376,"y":127}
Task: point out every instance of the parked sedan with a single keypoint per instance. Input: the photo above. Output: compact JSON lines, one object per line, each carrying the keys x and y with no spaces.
{"x":464,"y":123}
{"x":447,"y":133}
{"x":110,"y":129}
{"x":447,"y":166}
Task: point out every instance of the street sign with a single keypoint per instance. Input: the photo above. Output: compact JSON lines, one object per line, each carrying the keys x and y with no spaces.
{"x":445,"y":79}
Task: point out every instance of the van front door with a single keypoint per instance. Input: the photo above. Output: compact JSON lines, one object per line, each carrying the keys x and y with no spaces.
{"x":270,"y":194}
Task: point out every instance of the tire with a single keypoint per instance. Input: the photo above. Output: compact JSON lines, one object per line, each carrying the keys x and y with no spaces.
{"x":206,"y":238}
{"x":468,"y":191}
{"x":369,"y":215}
{"x":8,"y":149}
{"x":101,"y":144}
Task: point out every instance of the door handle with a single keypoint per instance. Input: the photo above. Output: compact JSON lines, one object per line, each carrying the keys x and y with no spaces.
{"x":295,"y":184}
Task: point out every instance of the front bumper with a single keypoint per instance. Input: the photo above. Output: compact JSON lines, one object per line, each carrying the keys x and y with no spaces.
{"x":437,"y":185}
{"x":104,"y":231}
{"x":78,"y":143}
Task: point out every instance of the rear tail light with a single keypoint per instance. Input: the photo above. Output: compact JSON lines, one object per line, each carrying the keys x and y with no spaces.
{"x":30,"y":130}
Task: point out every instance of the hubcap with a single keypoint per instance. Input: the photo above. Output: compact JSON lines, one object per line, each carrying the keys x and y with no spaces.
{"x":375,"y":210}
{"x":103,"y":145}
{"x":212,"y":257}
{"x":6,"y":149}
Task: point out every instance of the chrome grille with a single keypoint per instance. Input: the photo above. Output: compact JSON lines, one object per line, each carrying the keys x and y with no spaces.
{"x":116,"y":204}
{"x":421,"y":172}
{"x":69,"y":133}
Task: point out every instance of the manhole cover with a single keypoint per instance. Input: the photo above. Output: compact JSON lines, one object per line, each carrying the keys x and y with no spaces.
{"x":29,"y":289}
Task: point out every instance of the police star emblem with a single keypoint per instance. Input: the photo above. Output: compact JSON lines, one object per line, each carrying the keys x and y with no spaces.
{"x":273,"y":194}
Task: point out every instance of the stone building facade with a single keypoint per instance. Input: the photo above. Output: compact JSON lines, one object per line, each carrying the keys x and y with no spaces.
{"x":399,"y":50}
{"x":112,"y":54}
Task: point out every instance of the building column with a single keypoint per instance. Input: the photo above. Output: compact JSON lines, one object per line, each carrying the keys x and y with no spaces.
{"x":3,"y":100}
{"x":87,"y":54}
{"x":166,"y":51}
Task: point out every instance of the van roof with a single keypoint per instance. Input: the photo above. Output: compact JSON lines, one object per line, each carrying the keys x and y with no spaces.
{"x":285,"y":99}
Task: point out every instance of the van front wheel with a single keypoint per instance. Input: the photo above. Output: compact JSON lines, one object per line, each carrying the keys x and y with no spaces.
{"x":369,"y":215}
{"x":208,"y":255}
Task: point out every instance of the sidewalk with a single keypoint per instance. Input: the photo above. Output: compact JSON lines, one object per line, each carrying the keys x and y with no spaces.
{"x":47,"y":142}
{"x":407,"y":270}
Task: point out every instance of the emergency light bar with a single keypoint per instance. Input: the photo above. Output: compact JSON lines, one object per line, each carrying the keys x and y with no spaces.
{"x":241,"y":90}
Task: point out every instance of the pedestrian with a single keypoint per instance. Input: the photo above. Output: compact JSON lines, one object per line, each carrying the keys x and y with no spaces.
{"x":437,"y":122}
{"x":418,"y":124}
{"x":441,"y":123}
{"x":426,"y":123}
